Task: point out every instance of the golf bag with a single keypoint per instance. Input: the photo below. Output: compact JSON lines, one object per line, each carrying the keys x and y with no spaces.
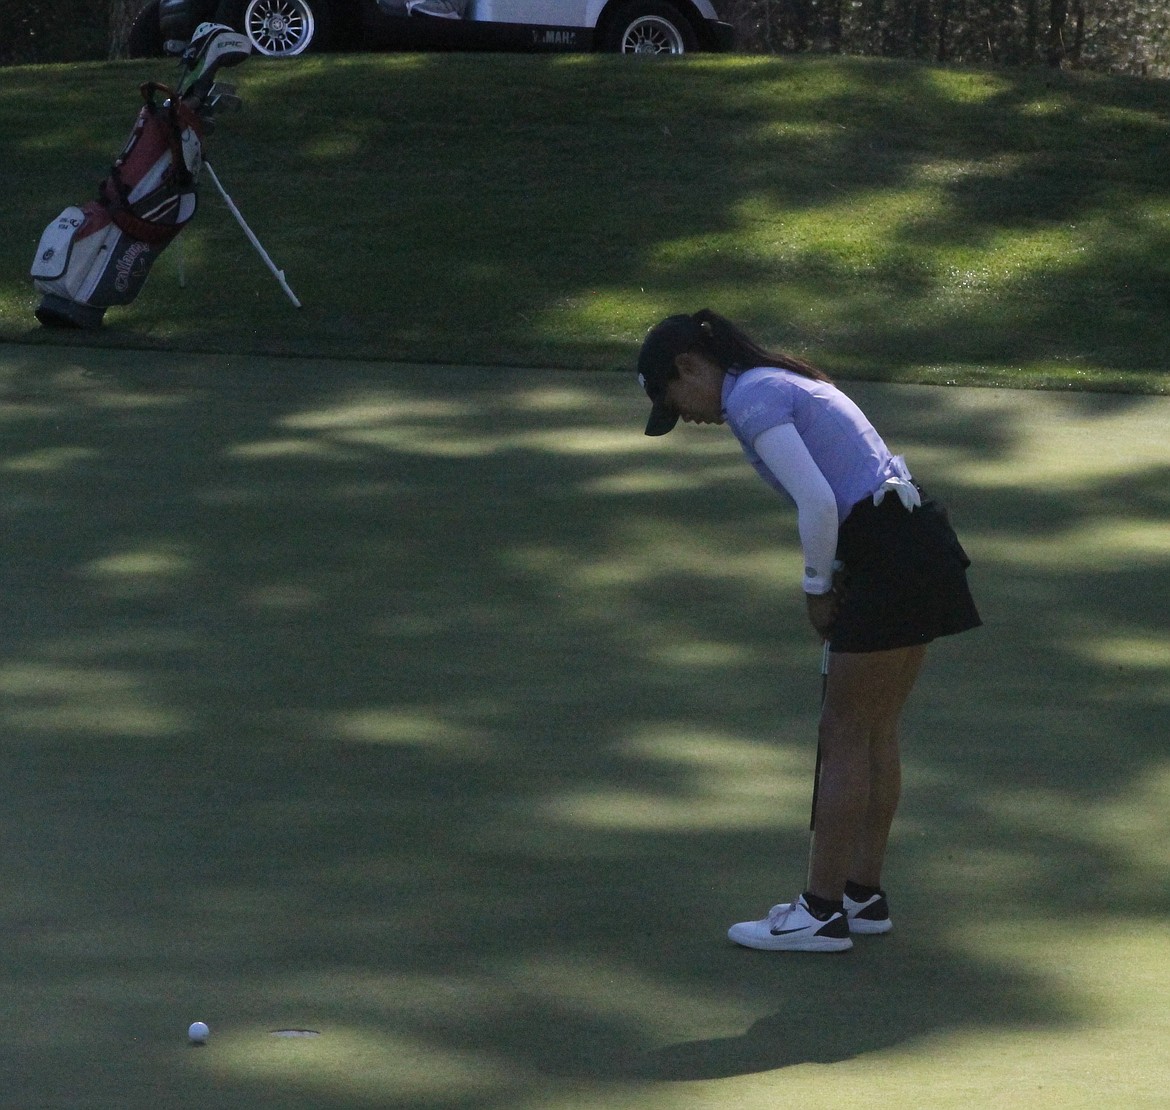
{"x":99,"y":254}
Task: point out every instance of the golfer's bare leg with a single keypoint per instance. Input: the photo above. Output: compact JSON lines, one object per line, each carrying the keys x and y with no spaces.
{"x":860,"y":769}
{"x":885,"y":778}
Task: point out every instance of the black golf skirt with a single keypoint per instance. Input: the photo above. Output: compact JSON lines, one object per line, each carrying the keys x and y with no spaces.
{"x":904,"y":579}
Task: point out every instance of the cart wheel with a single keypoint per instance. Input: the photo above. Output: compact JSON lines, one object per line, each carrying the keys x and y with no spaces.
{"x":279,"y":28}
{"x":650,"y":27}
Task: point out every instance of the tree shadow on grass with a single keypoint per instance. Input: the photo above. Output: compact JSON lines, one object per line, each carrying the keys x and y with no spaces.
{"x":444,"y":712}
{"x":885,"y":216}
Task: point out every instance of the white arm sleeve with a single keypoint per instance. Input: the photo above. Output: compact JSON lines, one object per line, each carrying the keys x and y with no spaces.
{"x":783,"y":452}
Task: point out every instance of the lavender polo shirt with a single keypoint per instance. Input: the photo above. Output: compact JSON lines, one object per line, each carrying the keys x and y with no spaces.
{"x":842,"y":442}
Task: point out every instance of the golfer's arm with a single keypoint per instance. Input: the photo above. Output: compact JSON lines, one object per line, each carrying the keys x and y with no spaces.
{"x":783,"y":452}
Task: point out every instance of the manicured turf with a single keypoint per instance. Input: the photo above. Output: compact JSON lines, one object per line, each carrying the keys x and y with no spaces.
{"x":442,"y":712}
{"x":894,"y":221}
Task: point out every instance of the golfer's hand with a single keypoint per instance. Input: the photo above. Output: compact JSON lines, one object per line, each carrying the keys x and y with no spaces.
{"x":822,"y":612}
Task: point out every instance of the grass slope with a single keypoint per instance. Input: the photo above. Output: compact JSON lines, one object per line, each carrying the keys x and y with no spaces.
{"x":892,"y":220}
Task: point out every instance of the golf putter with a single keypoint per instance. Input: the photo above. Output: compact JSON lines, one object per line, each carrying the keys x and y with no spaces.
{"x":812,"y":820}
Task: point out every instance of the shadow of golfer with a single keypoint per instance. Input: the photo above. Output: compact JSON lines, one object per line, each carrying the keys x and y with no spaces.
{"x":839,"y":1007}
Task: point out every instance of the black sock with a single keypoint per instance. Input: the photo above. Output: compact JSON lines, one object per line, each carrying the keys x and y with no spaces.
{"x":822,"y":908}
{"x":861,"y":893}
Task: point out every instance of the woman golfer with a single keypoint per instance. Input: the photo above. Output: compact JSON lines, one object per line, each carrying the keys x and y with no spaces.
{"x":884,"y":574}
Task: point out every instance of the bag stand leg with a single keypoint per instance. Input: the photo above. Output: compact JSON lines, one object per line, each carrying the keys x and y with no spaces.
{"x":278,"y":274}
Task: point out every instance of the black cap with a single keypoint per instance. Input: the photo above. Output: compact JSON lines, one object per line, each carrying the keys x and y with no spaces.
{"x":672,"y":337}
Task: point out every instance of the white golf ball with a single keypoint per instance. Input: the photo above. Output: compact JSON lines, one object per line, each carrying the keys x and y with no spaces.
{"x":198,"y":1033}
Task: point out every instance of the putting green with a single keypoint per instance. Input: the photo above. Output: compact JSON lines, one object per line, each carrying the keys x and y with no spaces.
{"x":443,"y":713}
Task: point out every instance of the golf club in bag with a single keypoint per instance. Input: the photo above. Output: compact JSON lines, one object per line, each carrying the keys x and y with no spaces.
{"x":100,"y":253}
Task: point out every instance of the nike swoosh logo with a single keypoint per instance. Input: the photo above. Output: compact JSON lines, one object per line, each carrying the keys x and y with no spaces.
{"x":798,"y":929}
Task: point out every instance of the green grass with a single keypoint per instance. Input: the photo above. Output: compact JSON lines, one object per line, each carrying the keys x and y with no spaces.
{"x":893,"y":221}
{"x":445,"y":713}
{"x":441,"y":711}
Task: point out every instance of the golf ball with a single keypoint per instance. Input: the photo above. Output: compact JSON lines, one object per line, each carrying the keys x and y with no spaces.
{"x":198,"y":1033}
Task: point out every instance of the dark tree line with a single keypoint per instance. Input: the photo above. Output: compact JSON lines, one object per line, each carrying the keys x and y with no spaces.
{"x":42,"y":31}
{"x":122,"y":14}
{"x":1121,"y":36}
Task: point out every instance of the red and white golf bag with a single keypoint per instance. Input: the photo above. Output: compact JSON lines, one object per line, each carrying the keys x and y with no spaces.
{"x":99,"y":254}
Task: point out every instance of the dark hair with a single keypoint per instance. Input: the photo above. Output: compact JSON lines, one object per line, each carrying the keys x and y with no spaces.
{"x":733,"y":349}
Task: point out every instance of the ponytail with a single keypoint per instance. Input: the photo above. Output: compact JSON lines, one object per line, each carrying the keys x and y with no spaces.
{"x":734,"y":349}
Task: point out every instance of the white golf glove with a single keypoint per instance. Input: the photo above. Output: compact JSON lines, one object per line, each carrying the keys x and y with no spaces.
{"x":903,"y":485}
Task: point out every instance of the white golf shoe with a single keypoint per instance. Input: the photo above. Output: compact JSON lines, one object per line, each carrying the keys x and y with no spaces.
{"x":793,"y":927}
{"x":870,"y":916}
